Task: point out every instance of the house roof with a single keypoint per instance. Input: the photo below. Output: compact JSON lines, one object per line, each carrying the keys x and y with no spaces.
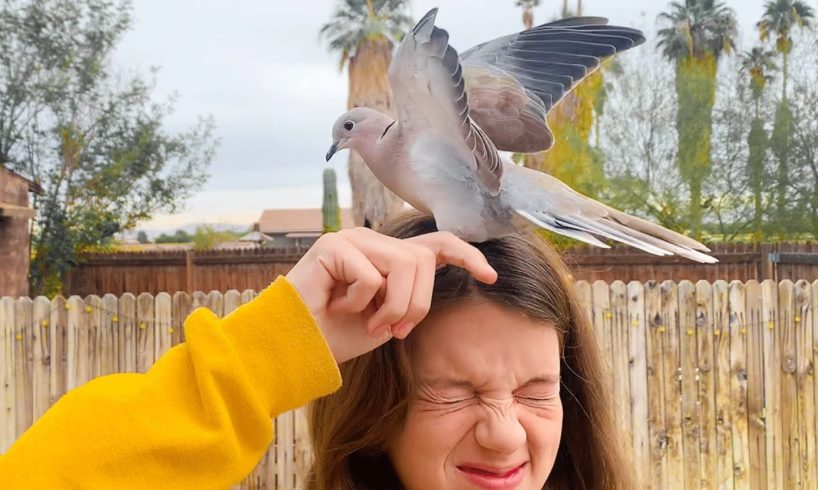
{"x":32,"y":186}
{"x":255,"y":236}
{"x":298,"y":220}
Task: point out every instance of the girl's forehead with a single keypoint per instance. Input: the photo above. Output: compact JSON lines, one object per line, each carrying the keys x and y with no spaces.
{"x":484,"y":343}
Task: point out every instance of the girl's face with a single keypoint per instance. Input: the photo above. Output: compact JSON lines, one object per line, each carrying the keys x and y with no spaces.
{"x":487,"y":412}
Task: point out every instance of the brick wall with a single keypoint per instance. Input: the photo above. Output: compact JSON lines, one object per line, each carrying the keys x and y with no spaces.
{"x":14,"y":238}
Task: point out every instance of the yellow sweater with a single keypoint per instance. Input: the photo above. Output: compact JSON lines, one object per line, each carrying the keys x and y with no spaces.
{"x":200,"y":418}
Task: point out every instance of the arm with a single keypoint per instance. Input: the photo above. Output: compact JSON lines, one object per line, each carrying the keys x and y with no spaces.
{"x":199,"y":418}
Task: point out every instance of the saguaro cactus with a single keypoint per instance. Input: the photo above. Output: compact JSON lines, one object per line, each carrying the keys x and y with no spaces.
{"x":331,"y":211}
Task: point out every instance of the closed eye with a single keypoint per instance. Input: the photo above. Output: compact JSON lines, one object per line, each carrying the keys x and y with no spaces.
{"x":454,"y":402}
{"x":537,"y":400}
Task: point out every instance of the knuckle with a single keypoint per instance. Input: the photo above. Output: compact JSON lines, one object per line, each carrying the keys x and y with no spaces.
{"x":371,"y":280}
{"x":328,"y":237}
{"x":448,"y":236}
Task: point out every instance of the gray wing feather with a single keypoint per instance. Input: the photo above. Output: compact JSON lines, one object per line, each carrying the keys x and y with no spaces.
{"x":428,"y":85}
{"x":532,"y":71}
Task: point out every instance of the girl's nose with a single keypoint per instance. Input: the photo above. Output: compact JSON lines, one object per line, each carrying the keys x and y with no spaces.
{"x":500,"y":431}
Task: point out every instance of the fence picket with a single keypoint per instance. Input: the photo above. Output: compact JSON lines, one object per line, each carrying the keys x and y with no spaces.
{"x":707,"y":384}
{"x":688,"y":355}
{"x":673,"y":385}
{"x":814,"y":312}
{"x":145,"y":337}
{"x":109,"y":335}
{"x":788,"y":404}
{"x":57,"y":327}
{"x":638,"y":380}
{"x":128,"y":327}
{"x":602,"y":316}
{"x":805,"y":408}
{"x":163,"y":329}
{"x":620,"y":356}
{"x":735,"y":330}
{"x":23,"y":365}
{"x":8,"y":388}
{"x":656,"y":382}
{"x":232,"y":300}
{"x":40,"y":356}
{"x":772,"y":384}
{"x":757,"y":425}
{"x":182,"y":306}
{"x":722,"y":385}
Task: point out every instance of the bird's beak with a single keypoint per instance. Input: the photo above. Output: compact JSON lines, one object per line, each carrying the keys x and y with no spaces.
{"x":332,"y":150}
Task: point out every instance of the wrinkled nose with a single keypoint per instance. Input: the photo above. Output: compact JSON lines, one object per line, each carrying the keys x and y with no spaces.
{"x":500,"y":430}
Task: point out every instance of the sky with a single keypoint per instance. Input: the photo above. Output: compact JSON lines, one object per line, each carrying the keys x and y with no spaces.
{"x":261,"y":70}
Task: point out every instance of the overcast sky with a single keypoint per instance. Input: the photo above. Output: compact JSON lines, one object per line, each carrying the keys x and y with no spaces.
{"x":274,"y":90}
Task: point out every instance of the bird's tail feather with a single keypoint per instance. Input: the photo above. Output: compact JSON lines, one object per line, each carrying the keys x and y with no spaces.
{"x":584,"y":228}
{"x":549,"y":224}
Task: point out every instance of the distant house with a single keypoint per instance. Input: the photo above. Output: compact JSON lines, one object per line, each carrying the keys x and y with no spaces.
{"x":15,"y":231}
{"x":295,"y":227}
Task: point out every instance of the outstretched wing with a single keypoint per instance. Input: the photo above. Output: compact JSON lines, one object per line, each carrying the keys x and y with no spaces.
{"x":513,"y":81}
{"x":429,"y":90}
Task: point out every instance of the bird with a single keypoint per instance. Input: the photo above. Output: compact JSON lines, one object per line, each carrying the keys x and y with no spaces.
{"x":456,"y":112}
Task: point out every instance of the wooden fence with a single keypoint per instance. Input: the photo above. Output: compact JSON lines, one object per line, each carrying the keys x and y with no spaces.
{"x":715,"y":381}
{"x":221,"y":270}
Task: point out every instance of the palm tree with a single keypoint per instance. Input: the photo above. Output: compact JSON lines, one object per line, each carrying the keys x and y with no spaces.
{"x":528,"y":11}
{"x":700,"y":31}
{"x":758,"y":63}
{"x":780,"y":18}
{"x":363,"y":33}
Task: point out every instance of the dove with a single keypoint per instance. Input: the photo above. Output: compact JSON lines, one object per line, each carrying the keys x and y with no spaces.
{"x":455,"y":112}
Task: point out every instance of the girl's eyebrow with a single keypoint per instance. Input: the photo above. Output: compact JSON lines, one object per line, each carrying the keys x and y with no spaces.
{"x":546,"y":379}
{"x":443,"y":382}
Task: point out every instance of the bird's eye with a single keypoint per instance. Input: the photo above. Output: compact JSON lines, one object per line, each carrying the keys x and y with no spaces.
{"x":348,"y":125}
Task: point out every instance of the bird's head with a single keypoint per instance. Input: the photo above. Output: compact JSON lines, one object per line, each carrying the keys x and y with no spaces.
{"x":356,"y":128}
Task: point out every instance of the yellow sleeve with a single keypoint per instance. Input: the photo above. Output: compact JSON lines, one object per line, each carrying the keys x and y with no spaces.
{"x":200,"y":418}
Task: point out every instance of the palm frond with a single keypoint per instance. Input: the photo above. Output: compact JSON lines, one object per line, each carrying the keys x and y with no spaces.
{"x":697,"y":27}
{"x":351,"y":23}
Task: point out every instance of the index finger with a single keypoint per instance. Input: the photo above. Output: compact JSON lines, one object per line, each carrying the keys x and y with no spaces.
{"x":452,"y":250}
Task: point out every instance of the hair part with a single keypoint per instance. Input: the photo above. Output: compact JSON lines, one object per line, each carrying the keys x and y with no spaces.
{"x":351,"y":430}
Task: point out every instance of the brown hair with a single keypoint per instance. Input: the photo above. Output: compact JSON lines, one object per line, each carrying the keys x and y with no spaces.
{"x":351,"y":429}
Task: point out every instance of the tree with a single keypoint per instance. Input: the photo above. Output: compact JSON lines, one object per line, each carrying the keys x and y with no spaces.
{"x":142,"y":237}
{"x":700,"y":31}
{"x":758,"y":64}
{"x":638,"y":143}
{"x":363,"y":33}
{"x":181,"y":236}
{"x":207,"y":237}
{"x":802,"y":200}
{"x":94,"y":139}
{"x":329,"y":209}
{"x":780,"y":18}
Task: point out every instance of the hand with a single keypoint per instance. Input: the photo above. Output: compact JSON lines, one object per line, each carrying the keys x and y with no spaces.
{"x":363,"y":288}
